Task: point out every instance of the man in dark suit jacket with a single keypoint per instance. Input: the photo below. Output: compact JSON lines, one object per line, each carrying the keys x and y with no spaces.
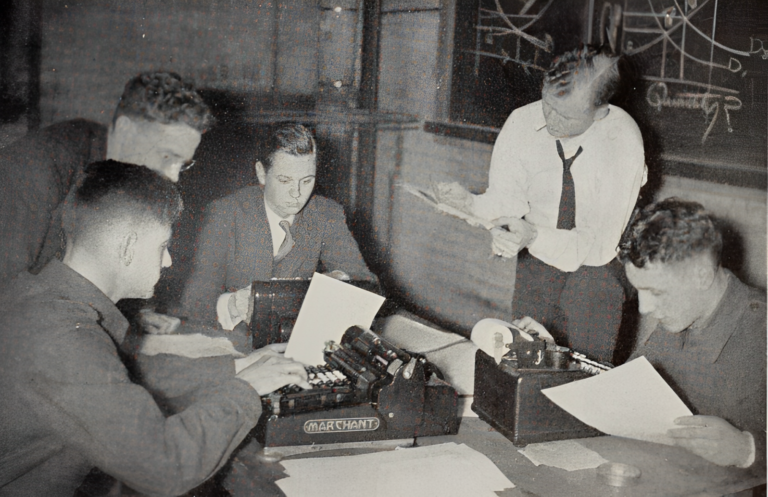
{"x":158,"y":123}
{"x":275,"y":230}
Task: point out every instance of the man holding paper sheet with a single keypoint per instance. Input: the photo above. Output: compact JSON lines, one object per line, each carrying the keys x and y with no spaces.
{"x":68,"y":401}
{"x":564,"y":178}
{"x":710,"y":341}
{"x":276,"y":230}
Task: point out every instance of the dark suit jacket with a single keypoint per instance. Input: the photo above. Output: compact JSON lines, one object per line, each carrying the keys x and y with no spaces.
{"x":68,"y":403}
{"x":37,"y":172}
{"x":234,"y":248}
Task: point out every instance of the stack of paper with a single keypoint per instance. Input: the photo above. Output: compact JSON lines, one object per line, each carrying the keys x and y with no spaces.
{"x":194,"y":346}
{"x":445,"y":470}
{"x":565,"y":454}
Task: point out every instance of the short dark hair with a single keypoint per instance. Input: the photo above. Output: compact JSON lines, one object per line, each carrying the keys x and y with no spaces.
{"x":293,"y":139}
{"x":596,"y":66}
{"x":166,"y":98}
{"x":668,"y":231}
{"x":110,"y":191}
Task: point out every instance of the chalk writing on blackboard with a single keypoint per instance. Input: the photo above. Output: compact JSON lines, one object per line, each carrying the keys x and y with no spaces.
{"x":693,"y":70}
{"x":496,"y":22}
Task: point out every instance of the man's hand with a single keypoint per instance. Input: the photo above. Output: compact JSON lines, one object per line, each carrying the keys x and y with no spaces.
{"x":714,"y":439}
{"x":504,"y":243}
{"x":453,"y":194}
{"x":339,"y":275}
{"x":529,"y":324}
{"x":273,"y":349}
{"x":239,"y":303}
{"x":157,"y":324}
{"x":524,"y":233}
{"x":271,"y":372}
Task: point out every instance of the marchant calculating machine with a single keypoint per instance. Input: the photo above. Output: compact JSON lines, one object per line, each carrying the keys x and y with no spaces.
{"x":368,"y":390}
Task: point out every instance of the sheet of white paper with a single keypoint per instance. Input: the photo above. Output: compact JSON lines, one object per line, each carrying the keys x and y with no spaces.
{"x":631,"y":401}
{"x":444,"y":470}
{"x":564,"y":454}
{"x":429,"y":198}
{"x":329,"y":309}
{"x":194,"y":345}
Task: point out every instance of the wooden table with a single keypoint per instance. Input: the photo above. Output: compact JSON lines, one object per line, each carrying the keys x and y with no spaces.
{"x":666,"y":471}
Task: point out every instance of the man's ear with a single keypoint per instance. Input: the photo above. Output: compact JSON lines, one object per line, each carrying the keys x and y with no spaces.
{"x":123,"y":124}
{"x":128,"y":247}
{"x":261,"y":173}
{"x":704,"y":273}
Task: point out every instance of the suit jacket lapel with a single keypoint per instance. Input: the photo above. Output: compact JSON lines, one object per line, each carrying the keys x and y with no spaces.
{"x":256,"y":252}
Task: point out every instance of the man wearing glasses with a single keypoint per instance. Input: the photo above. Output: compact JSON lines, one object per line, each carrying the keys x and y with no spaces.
{"x":158,"y":123}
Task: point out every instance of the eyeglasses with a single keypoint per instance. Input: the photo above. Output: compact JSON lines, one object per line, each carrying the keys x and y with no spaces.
{"x":187,"y":166}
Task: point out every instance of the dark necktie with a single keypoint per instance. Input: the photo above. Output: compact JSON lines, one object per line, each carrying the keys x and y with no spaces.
{"x":566,"y":217}
{"x":287,"y":244}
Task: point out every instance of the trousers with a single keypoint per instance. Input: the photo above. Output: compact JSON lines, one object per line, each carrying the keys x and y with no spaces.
{"x":582,"y":310}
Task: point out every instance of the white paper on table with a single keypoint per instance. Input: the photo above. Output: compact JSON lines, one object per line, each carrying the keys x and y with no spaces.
{"x":193,"y":346}
{"x":564,"y":454}
{"x":631,"y":401}
{"x":329,"y":309}
{"x":444,"y":470}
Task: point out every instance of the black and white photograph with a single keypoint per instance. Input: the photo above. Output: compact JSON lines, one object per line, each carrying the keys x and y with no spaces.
{"x":335,"y":248}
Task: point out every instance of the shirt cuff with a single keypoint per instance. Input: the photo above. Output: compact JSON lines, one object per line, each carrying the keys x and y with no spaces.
{"x":752,"y":452}
{"x":222,"y":313}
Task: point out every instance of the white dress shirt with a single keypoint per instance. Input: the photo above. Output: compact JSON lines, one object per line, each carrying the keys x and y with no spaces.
{"x":525,"y":181}
{"x":278,"y":235}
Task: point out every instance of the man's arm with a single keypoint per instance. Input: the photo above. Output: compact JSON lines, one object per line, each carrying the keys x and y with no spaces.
{"x":506,"y":195}
{"x":207,"y":280}
{"x":83,"y":390}
{"x":339,"y":251}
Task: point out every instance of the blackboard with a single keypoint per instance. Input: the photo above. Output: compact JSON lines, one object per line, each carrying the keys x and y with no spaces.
{"x":699,"y":72}
{"x":703,"y":71}
{"x":501,"y":50}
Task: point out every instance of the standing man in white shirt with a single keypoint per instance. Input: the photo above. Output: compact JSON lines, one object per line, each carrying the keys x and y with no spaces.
{"x":565,"y":175}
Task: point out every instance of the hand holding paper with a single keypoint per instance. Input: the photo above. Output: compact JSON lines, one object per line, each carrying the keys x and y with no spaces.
{"x":714,"y":439}
{"x":462,"y":213}
{"x":631,"y":400}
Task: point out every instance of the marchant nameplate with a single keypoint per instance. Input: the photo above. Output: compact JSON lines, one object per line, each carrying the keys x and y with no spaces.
{"x":339,"y":425}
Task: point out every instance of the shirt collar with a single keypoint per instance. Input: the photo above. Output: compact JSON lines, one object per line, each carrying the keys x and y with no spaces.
{"x":73,"y":286}
{"x":539,"y":122}
{"x":274,"y":219}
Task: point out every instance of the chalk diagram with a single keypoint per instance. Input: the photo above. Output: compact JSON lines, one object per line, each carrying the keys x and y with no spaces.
{"x":498,"y":26}
{"x":691,"y":71}
{"x":694,"y":69}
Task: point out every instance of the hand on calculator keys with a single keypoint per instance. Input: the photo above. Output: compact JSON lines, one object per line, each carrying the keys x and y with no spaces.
{"x":320,"y":377}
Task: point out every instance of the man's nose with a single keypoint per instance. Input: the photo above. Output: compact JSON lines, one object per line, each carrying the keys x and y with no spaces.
{"x":166,"y":258}
{"x":295,"y":191}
